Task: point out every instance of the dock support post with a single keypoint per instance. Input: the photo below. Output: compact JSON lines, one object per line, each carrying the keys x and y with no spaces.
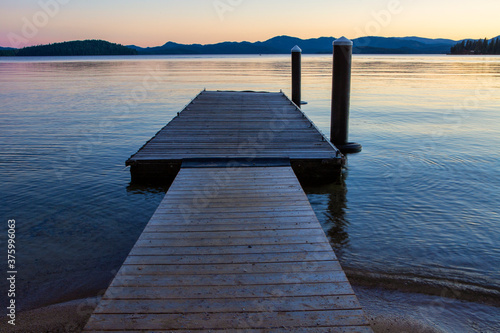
{"x":341,"y":94}
{"x":296,"y":75}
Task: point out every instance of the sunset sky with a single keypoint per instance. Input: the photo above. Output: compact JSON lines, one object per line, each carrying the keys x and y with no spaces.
{"x":154,"y":22}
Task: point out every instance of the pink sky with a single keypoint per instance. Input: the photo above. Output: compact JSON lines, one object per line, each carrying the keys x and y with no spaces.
{"x":154,"y":22}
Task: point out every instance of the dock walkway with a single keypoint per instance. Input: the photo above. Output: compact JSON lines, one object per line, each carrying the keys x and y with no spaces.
{"x":233,"y":246}
{"x":232,"y":125}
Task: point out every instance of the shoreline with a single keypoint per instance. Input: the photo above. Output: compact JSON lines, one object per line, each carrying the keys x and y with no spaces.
{"x":386,"y":310}
{"x":425,"y":286}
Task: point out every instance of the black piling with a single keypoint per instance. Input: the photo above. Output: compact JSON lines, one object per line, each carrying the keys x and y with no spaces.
{"x":296,"y":75}
{"x":341,"y":94}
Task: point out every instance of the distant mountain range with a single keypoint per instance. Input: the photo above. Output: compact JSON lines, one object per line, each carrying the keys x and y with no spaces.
{"x":275,"y":45}
{"x":322,"y":45}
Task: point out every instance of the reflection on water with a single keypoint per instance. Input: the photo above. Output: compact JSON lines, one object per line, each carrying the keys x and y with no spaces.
{"x":142,"y":189}
{"x":335,"y":217}
{"x":420,"y":201}
{"x":330,"y":206}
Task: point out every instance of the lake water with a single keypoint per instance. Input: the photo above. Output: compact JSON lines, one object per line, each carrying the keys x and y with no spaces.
{"x":417,"y":208}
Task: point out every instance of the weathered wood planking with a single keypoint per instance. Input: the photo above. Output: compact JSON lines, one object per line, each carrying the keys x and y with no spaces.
{"x":236,"y":249}
{"x":232,"y":125}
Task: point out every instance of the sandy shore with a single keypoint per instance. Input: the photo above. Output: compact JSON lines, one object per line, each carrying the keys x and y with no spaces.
{"x":65,"y":317}
{"x":387,"y":311}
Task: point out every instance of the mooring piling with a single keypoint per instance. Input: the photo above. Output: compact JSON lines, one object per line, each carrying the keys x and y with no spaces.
{"x":296,"y":75}
{"x":341,"y":94}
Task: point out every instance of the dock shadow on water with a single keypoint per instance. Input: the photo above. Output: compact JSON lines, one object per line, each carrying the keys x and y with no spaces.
{"x":329,"y":204}
{"x":144,"y":188}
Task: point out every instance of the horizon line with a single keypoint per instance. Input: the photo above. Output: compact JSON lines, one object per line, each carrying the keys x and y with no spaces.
{"x":247,"y":41}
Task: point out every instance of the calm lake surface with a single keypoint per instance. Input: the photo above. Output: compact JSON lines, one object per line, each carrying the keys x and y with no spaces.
{"x":419,"y":206}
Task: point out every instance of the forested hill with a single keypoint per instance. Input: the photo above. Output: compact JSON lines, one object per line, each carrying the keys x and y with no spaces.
{"x":76,"y":48}
{"x":480,"y":46}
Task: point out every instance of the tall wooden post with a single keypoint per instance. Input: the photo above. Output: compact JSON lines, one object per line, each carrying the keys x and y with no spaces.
{"x":296,"y":75}
{"x":341,"y":94}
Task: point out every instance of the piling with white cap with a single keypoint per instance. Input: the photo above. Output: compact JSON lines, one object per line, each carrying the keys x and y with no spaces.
{"x":341,"y":94}
{"x":296,"y":75}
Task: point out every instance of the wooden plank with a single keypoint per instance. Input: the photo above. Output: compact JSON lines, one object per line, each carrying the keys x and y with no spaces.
{"x":187,"y":226}
{"x":237,"y":150}
{"x":179,"y":156}
{"x":280,"y":149}
{"x":218,"y":292}
{"x":273,"y":233}
{"x":235,"y":241}
{"x":234,"y":320}
{"x":247,"y":181}
{"x":250,"y":182}
{"x":276,"y":134}
{"x":263,"y":172}
{"x":235,"y":249}
{"x":248,"y":268}
{"x":241,"y":201}
{"x":280,"y":304}
{"x":228,"y":258}
{"x":233,"y":212}
{"x":244,"y":200}
{"x":229,"y":279}
{"x":282,"y":329}
{"x":183,"y":220}
{"x":199,"y":215}
{"x":209,"y":192}
{"x":256,"y":191}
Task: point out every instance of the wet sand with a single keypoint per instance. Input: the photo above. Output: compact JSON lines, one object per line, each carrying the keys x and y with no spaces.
{"x":64,"y":317}
{"x":387,"y":311}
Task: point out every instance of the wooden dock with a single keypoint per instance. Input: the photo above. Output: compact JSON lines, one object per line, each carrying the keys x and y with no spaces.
{"x":234,"y":245}
{"x":238,"y":125}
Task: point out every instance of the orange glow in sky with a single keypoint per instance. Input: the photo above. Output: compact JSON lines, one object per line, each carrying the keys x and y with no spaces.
{"x":154,"y":22}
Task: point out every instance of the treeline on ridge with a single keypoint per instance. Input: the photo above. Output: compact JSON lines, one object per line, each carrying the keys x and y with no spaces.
{"x":76,"y":48}
{"x":8,"y":53}
{"x":480,"y":46}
